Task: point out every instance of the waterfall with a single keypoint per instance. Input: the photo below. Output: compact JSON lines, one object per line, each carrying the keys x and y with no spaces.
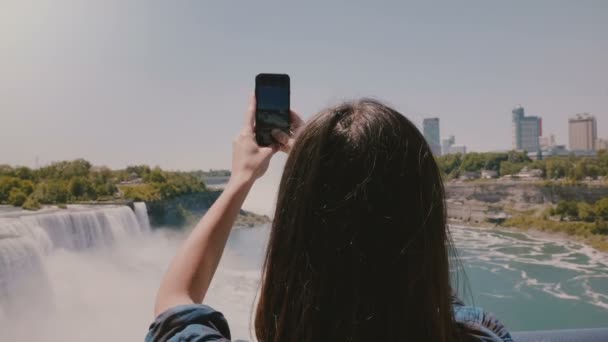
{"x":78,"y":227}
{"x":141,"y":212}
{"x":26,"y":237}
{"x":22,"y":273}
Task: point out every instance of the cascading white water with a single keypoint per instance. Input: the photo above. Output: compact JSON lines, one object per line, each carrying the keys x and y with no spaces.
{"x":22,"y":272}
{"x":25,"y":238}
{"x":141,"y":212}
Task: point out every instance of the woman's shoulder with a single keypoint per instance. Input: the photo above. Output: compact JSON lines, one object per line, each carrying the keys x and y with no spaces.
{"x":194,"y":322}
{"x":479,"y":324}
{"x":198,"y":322}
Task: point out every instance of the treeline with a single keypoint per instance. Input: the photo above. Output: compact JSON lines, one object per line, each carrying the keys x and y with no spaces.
{"x":156,"y":184}
{"x":511,"y":163}
{"x":211,"y":173}
{"x":78,"y":181}
{"x":588,"y":221}
{"x":582,"y":211}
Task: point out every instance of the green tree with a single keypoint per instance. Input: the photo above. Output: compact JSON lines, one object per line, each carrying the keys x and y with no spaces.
{"x":16,"y":197}
{"x":586,"y":211}
{"x":450,"y":164}
{"x":24,"y":172}
{"x":155,"y":176}
{"x":76,"y":168}
{"x":7,"y":183}
{"x":493,"y":161}
{"x":27,"y":186}
{"x":52,"y":192}
{"x":556,"y":168}
{"x":510,"y":168}
{"x":65,"y":169}
{"x":80,"y":187}
{"x":566,"y":209}
{"x":518,"y":157}
{"x":6,"y":170}
{"x":105,"y":189}
{"x":473,"y":162}
{"x":139,"y":170}
{"x":31,"y":203}
{"x":601,"y":208}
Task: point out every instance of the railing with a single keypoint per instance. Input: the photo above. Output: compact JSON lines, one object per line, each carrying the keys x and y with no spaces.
{"x":572,"y":335}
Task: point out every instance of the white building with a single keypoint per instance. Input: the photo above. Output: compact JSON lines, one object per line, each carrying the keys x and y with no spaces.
{"x":530,"y":173}
{"x":487,"y":174}
{"x":582,"y":132}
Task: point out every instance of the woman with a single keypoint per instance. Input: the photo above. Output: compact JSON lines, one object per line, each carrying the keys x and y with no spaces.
{"x":359,"y":247}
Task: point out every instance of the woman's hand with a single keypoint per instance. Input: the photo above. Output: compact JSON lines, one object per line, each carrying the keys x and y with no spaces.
{"x":249,"y":161}
{"x":191,"y":271}
{"x":286,"y":140}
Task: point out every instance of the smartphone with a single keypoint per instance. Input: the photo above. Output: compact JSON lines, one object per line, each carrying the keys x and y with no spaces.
{"x":272,"y":106}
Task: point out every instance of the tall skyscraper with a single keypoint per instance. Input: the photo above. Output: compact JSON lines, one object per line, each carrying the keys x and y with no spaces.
{"x":430,"y":128}
{"x":448,"y":146}
{"x":526,"y":131}
{"x":582,"y":132}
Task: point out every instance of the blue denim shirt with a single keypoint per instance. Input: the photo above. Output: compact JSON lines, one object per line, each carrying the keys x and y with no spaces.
{"x":200,"y":323}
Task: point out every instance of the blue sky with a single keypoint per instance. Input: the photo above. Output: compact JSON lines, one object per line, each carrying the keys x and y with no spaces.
{"x":166,"y":82}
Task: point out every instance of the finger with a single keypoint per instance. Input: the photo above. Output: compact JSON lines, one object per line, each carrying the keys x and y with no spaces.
{"x":280,"y":136}
{"x":268,"y":151}
{"x":296,"y":120}
{"x":247,"y":132}
{"x":250,"y":114}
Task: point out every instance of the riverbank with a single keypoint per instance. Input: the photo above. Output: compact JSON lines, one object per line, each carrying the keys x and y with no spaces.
{"x":599,"y":243}
{"x":527,"y":206}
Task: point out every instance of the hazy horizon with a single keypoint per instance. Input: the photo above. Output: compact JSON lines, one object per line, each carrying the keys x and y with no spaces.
{"x":166,"y":84}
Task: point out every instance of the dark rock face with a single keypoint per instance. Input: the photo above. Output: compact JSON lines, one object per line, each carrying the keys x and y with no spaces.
{"x":524,"y":192}
{"x":174,"y":212}
{"x":185,"y":211}
{"x":476,"y":201}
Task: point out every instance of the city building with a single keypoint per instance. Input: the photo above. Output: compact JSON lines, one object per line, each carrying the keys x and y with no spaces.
{"x":454,"y":149}
{"x":448,"y":146}
{"x":555,"y":150}
{"x":447,"y":143}
{"x":601,"y":144}
{"x":582,"y":132}
{"x":526,"y":131}
{"x":547,"y":142}
{"x":430,"y":128}
{"x":470,"y":175}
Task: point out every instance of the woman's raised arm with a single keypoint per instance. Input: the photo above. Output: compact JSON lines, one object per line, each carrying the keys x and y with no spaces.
{"x":189,"y":275}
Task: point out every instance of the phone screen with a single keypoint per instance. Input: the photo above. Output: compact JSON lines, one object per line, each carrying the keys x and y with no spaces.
{"x":272,"y":98}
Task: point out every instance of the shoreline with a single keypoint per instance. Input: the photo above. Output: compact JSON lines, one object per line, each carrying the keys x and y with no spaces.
{"x":527,"y":206}
{"x":533,"y":232}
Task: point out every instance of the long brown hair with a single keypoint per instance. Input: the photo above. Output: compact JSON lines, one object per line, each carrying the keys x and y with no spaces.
{"x":359,"y":244}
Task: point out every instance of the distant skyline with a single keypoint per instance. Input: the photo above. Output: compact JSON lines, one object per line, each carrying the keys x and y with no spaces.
{"x":166,"y":83}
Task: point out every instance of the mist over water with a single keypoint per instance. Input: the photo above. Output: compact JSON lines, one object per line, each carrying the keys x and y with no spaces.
{"x":106,"y":292}
{"x":97,"y":295}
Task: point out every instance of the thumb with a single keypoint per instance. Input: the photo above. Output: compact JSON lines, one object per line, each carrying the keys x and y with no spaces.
{"x":280,"y":136}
